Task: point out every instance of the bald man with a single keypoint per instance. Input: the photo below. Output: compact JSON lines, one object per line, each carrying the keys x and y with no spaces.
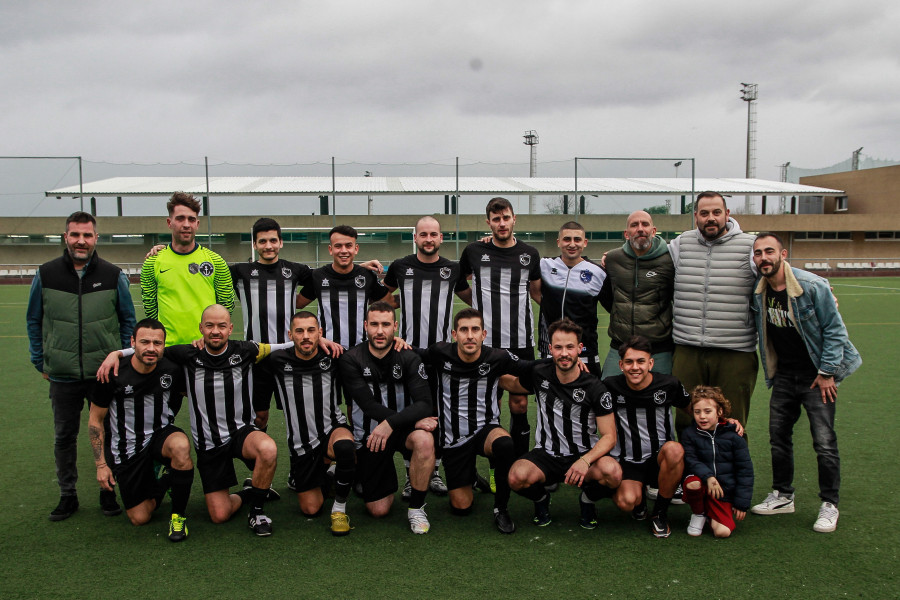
{"x":638,"y":292}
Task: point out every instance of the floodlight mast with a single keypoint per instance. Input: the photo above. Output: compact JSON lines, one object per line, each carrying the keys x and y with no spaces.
{"x":532,"y":140}
{"x":749,"y":94}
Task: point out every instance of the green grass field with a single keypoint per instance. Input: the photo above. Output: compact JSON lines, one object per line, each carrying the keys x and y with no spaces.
{"x":92,"y":556}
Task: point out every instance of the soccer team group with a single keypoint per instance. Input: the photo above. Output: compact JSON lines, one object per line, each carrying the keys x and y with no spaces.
{"x":686,"y":318}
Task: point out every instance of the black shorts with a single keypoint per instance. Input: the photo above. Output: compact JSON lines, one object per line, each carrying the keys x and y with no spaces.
{"x":376,"y":471}
{"x":308,"y":469}
{"x":646,"y":472}
{"x":216,"y":466}
{"x":459,"y":462}
{"x":554,"y":468}
{"x":135,"y":477}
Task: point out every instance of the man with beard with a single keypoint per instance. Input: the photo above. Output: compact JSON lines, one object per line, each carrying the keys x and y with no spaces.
{"x":805,"y":352}
{"x":638,"y":293}
{"x":713,"y":330}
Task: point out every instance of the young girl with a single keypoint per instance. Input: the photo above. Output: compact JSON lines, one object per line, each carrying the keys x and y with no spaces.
{"x":716,"y":458}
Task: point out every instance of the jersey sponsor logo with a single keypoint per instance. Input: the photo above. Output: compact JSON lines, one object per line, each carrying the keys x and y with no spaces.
{"x":659,"y":396}
{"x":448,"y":366}
{"x":165,"y":382}
{"x":409,"y":271}
{"x":286,"y":272}
{"x":422,"y":372}
{"x":620,"y":399}
{"x":397,"y":372}
{"x":586,"y":276}
{"x":234,"y":359}
{"x":207,"y":268}
{"x":512,"y":356}
{"x":578,"y":395}
{"x":484,"y":369}
{"x":545,"y":384}
{"x":98,"y":284}
{"x":254,"y":273}
{"x":129,"y":390}
{"x":553,"y":271}
{"x":193,"y":268}
{"x":651,"y":274}
{"x":445,"y":272}
{"x":360,"y":281}
{"x":325,"y":363}
{"x":325,"y":283}
{"x":288,"y":369}
{"x":485,"y":258}
{"x":525,"y":259}
{"x":198,"y":362}
{"x":606,"y":401}
{"x":367,"y":372}
{"x":161,"y":271}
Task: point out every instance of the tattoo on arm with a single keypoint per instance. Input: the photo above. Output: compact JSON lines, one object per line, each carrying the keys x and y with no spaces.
{"x":96,"y":435}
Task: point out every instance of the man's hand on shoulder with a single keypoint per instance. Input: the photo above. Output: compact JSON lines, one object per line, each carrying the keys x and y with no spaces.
{"x":155,"y":250}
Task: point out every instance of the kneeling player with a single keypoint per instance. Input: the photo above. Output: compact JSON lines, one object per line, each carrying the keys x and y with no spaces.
{"x":141,"y":402}
{"x":573,"y":407}
{"x":304,"y":381}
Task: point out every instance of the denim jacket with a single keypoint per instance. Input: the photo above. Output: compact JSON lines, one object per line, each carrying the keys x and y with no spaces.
{"x":812,"y":310}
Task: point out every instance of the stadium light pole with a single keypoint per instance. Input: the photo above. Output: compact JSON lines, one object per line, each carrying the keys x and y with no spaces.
{"x":531,"y":140}
{"x":749,"y":94}
{"x":678,"y":164}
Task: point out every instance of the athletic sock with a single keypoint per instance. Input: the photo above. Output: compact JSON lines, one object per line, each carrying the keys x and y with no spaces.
{"x":661,"y":506}
{"x":181,"y":489}
{"x":339,"y":506}
{"x":257,"y":498}
{"x":345,"y":456}
{"x":521,"y":432}
{"x":504,"y":456}
{"x":417,"y":498}
{"x":535,"y":493}
{"x":593,"y":491}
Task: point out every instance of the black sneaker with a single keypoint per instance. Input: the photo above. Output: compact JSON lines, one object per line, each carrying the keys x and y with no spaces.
{"x":65,"y":509}
{"x":108,"y":504}
{"x":260,"y":524}
{"x":588,"y":518}
{"x":503,"y":521}
{"x":292,"y":485}
{"x":639,"y":512}
{"x":678,"y":496}
{"x":270,"y":495}
{"x":542,"y":512}
{"x":481,"y":484}
{"x":659,"y":526}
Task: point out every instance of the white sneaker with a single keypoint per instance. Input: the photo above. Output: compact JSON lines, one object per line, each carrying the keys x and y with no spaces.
{"x":652,"y":493}
{"x":695,"y":527}
{"x":436,"y":485}
{"x":775,"y":503}
{"x":407,"y":490}
{"x":828,"y":518}
{"x":418,"y":520}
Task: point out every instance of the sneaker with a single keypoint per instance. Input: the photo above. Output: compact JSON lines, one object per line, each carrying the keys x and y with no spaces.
{"x":493,"y":482}
{"x":639,"y":512}
{"x":828,"y":518}
{"x":291,"y":482}
{"x":340,"y":524}
{"x":775,"y":503}
{"x":407,"y":490}
{"x":659,"y":526}
{"x":481,"y":484}
{"x":588,"y":518}
{"x":178,"y":530}
{"x":108,"y":504}
{"x":436,"y":484}
{"x":542,"y":512}
{"x":678,"y":496}
{"x":270,"y":495}
{"x":695,"y":527}
{"x":651,"y":493}
{"x":418,"y":520}
{"x":65,"y":509}
{"x":503,"y":521}
{"x":260,"y":524}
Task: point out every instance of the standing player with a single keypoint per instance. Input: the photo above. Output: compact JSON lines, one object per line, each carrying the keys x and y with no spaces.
{"x":573,"y":408}
{"x":79,"y":309}
{"x":504,"y":272}
{"x":570,"y":288}
{"x":427,"y":282}
{"x":179,"y":282}
{"x":141,"y":402}
{"x":391,"y":408}
{"x":306,"y":386}
{"x":343,"y":290}
{"x":645,"y":433}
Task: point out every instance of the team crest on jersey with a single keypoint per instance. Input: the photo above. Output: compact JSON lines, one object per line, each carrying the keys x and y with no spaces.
{"x":445,"y":272}
{"x":206,"y":268}
{"x":620,"y":399}
{"x":325,"y":283}
{"x":286,"y":272}
{"x":578,"y":395}
{"x":367,"y":372}
{"x":485,"y":258}
{"x":360,"y":281}
{"x":288,"y":369}
{"x":325,"y":363}
{"x":484,"y":368}
{"x":545,"y":384}
{"x":397,"y":372}
{"x":234,"y":359}
{"x":525,"y":259}
{"x":448,"y":366}
{"x":254,"y":273}
{"x":606,"y":401}
{"x":422,"y":373}
{"x":660,"y":397}
{"x":586,"y":276}
{"x":409,"y":271}
{"x":129,"y":390}
{"x":512,"y":356}
{"x":165,"y":382}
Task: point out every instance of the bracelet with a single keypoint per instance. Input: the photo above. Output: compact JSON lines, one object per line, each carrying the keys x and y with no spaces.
{"x":585,"y":461}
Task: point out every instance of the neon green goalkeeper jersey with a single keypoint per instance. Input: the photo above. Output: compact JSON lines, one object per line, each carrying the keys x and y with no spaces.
{"x":176,"y":288}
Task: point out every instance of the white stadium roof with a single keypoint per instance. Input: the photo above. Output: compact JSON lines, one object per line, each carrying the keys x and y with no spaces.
{"x":286,"y":186}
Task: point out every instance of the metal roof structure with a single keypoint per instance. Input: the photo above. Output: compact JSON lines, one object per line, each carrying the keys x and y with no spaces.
{"x":290,"y":186}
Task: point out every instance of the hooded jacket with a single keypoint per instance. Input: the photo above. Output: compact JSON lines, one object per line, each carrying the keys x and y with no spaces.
{"x":722,"y":454}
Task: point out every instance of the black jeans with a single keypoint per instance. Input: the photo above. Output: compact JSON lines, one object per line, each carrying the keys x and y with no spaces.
{"x":67,"y":399}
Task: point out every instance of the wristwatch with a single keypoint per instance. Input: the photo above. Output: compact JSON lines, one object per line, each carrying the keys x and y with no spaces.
{"x":826,"y":375}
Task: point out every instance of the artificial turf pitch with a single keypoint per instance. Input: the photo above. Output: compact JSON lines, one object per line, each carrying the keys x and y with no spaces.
{"x":93,"y":556}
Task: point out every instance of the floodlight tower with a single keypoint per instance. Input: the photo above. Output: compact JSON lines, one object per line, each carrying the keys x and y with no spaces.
{"x":749,"y":94}
{"x":854,"y":164}
{"x":532,"y":140}
{"x":784,"y":178}
{"x":371,"y":201}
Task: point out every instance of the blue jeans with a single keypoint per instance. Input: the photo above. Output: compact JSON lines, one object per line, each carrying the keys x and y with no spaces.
{"x":789,"y":394}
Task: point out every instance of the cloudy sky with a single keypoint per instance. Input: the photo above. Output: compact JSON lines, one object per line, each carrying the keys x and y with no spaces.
{"x":423,"y":82}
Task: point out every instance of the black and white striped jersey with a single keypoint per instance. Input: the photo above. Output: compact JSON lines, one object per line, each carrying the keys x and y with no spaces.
{"x":309,"y":394}
{"x":267,"y":295}
{"x":468,"y":397}
{"x":343,"y":298}
{"x":566,"y":412}
{"x":500,"y":278}
{"x":393,"y":388}
{"x":644,"y":420}
{"x":572,"y":293}
{"x":139,"y":405}
{"x":426,"y":298}
{"x":219,"y":389}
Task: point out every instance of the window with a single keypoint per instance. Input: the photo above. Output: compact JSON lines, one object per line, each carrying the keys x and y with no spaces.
{"x":841,"y":204}
{"x":882,"y":235}
{"x":818,"y":236}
